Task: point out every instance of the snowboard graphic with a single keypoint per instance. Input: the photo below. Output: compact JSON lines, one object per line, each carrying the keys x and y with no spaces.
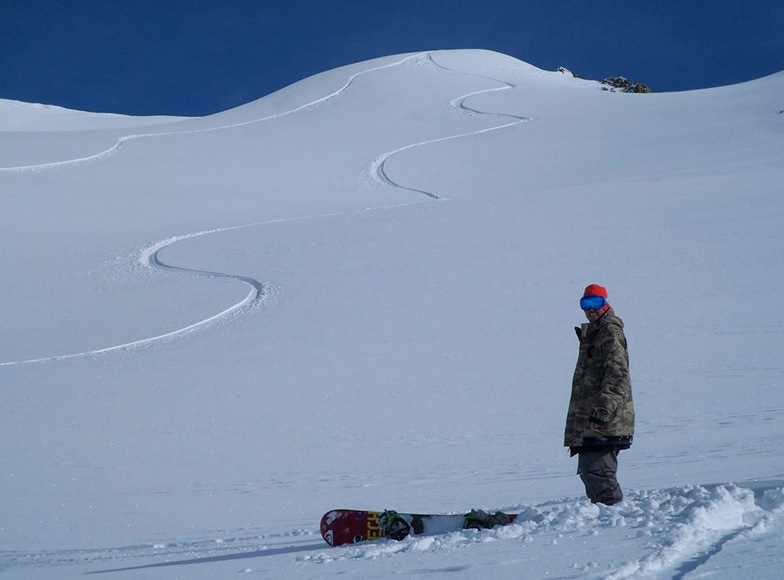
{"x":346,"y":526}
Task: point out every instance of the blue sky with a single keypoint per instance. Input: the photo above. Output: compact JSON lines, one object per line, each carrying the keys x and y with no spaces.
{"x":195,"y":57}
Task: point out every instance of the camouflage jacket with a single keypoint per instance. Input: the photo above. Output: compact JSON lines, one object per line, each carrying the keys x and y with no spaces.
{"x":601,"y":388}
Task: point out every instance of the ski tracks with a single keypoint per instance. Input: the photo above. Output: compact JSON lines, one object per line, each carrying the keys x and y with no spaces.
{"x":378,"y":167}
{"x":165,"y":554}
{"x":122,"y":140}
{"x":150,"y":256}
{"x":696,"y":523}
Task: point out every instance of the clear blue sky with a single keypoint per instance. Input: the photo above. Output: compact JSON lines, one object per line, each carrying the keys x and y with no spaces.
{"x":195,"y":57}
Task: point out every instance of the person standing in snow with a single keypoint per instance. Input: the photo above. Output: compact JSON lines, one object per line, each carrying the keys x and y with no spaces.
{"x":600,"y":421}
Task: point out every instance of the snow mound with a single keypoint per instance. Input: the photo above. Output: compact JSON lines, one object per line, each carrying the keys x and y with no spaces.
{"x":677,"y":529}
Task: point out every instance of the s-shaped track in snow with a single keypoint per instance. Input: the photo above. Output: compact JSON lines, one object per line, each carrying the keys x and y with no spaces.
{"x":378,"y":167}
{"x":150,"y":256}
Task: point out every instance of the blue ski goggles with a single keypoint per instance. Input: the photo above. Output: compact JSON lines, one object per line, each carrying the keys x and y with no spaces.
{"x":592,"y":302}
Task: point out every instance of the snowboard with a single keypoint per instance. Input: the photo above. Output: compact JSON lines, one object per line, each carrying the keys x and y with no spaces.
{"x":346,"y":526}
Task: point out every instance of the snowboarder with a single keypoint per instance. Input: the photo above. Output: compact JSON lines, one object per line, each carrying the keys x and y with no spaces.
{"x":600,"y":421}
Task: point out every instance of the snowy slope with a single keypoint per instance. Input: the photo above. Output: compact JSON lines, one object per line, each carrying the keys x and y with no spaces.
{"x":359,"y":292}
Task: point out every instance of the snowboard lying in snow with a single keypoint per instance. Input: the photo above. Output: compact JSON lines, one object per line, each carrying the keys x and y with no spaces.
{"x":345,"y":526}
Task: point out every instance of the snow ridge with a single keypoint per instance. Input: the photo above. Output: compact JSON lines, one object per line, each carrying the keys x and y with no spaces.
{"x":710,"y":518}
{"x":116,"y":147}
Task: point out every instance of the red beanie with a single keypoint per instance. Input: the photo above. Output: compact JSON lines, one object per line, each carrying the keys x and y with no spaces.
{"x":595,"y":290}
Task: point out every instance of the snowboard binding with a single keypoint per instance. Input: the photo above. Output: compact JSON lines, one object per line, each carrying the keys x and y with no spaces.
{"x":481,"y":520}
{"x":393,"y":525}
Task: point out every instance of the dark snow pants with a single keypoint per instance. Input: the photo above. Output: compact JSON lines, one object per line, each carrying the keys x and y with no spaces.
{"x":597,"y":469}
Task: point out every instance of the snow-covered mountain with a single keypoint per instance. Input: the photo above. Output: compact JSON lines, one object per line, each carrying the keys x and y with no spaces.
{"x":359,"y":292}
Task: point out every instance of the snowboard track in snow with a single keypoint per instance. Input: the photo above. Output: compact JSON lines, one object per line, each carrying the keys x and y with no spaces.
{"x":378,"y":167}
{"x":680,"y":529}
{"x":150,"y":257}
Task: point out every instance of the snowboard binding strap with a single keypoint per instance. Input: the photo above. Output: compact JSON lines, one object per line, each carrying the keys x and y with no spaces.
{"x":393,"y":525}
{"x":481,"y":520}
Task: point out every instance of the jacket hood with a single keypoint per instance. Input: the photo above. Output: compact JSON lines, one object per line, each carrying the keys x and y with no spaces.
{"x":611,"y":318}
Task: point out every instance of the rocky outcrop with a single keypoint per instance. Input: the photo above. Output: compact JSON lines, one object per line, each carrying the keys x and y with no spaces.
{"x":619,"y":84}
{"x":624,"y":85}
{"x":566,"y":71}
